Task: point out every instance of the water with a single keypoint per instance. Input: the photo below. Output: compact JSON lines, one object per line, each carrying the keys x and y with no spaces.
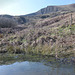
{"x":35,"y":67}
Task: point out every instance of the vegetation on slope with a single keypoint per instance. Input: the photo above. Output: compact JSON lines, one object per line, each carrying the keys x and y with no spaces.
{"x":7,"y":22}
{"x":49,"y":36}
{"x":60,"y":41}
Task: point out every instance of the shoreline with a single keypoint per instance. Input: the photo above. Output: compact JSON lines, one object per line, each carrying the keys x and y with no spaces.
{"x":6,"y":58}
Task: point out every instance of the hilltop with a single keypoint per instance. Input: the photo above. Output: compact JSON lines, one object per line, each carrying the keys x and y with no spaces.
{"x":53,"y":9}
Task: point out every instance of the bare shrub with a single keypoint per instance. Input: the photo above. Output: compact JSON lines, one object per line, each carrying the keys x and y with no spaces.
{"x":7,"y":22}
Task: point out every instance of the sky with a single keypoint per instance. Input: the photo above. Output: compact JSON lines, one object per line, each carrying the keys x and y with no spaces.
{"x":23,"y":7}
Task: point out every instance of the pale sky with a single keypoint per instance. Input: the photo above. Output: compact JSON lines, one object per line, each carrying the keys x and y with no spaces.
{"x":22,"y":7}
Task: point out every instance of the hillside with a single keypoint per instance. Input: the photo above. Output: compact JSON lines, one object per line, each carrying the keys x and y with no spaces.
{"x":49,"y":11}
{"x":48,"y":34}
{"x":43,"y":36}
{"x":53,"y":9}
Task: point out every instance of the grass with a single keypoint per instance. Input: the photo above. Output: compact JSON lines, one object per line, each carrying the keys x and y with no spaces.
{"x":51,"y":48}
{"x":11,"y":58}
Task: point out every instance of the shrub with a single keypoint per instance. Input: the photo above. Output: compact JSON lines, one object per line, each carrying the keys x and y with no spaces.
{"x":1,"y":35}
{"x":7,"y":22}
{"x":10,"y":49}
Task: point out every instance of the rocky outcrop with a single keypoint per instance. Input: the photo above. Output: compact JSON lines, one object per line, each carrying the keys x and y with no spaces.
{"x":52,"y":9}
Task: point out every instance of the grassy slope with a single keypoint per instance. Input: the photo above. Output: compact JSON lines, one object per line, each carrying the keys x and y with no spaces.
{"x":50,"y":36}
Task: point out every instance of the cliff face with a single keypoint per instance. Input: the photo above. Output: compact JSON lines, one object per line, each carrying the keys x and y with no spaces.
{"x":52,"y":9}
{"x":49,"y":9}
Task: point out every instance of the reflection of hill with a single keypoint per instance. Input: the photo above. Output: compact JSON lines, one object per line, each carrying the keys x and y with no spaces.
{"x":48,"y":61}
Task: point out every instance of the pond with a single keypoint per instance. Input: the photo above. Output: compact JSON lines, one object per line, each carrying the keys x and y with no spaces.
{"x":32,"y":66}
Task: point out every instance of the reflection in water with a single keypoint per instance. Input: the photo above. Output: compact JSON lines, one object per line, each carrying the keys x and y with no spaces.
{"x":37,"y":68}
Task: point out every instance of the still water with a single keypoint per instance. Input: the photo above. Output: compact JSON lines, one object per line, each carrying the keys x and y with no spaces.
{"x":36,"y":68}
